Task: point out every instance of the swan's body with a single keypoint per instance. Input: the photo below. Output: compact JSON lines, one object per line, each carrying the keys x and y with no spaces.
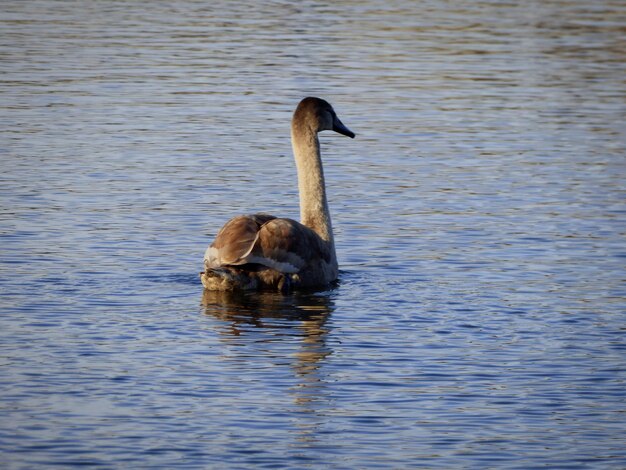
{"x":262,"y":251}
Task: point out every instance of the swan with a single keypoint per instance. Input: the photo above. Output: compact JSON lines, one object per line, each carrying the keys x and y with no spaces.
{"x":261,"y":251}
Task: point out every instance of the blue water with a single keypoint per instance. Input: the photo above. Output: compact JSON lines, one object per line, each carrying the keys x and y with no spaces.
{"x":479,"y":214}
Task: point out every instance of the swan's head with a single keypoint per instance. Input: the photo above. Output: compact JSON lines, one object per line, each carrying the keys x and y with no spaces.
{"x":317,"y":114}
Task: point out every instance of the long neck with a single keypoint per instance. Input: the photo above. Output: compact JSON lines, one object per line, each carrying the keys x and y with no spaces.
{"x":314,"y":211}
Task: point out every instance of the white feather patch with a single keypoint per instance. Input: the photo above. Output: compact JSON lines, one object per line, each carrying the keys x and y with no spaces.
{"x":211,"y":257}
{"x":283,"y":267}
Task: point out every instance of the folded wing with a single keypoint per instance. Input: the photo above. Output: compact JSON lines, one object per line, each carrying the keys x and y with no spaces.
{"x":284,"y":245}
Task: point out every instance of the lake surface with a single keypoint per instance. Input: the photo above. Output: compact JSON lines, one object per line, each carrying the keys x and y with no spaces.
{"x":479,"y":214}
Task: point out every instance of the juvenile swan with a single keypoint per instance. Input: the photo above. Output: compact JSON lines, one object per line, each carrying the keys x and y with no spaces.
{"x":261,"y":251}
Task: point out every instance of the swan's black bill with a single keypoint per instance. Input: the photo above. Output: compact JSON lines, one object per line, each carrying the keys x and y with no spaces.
{"x":339,"y":127}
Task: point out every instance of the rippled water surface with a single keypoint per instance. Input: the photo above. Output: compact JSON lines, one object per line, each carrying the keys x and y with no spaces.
{"x":479,"y":218}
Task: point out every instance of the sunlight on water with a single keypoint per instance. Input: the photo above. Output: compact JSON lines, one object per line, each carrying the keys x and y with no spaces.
{"x":479,"y":218}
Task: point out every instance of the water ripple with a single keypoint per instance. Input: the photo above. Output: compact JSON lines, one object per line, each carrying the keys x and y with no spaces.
{"x":479,"y":219}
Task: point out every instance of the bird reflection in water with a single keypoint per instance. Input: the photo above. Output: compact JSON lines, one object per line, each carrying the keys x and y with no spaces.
{"x":279,"y":327}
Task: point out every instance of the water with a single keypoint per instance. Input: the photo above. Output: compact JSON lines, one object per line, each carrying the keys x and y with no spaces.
{"x":479,"y":218}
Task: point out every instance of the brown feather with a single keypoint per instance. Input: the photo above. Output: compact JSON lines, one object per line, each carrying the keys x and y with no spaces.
{"x":288,"y":241}
{"x":281,"y":244}
{"x":235,"y":240}
{"x":262,"y":251}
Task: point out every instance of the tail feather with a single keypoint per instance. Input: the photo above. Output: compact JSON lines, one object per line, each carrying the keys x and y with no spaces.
{"x":228,"y":278}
